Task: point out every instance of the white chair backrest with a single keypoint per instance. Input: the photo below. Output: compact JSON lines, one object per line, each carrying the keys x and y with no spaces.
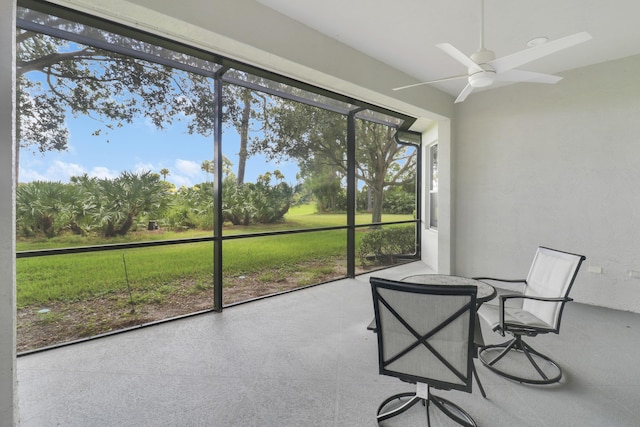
{"x":551,"y":276}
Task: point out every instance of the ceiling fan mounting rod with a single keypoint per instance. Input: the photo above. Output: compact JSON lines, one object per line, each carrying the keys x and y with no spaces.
{"x":481,"y":24}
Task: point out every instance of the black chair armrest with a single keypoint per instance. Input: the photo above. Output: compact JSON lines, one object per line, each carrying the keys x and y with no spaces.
{"x":555,"y":299}
{"x":520,"y":284}
{"x":501,"y":280}
{"x":504,"y":298}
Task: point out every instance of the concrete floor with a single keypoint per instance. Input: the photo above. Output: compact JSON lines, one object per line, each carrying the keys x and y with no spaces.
{"x":306,"y":359}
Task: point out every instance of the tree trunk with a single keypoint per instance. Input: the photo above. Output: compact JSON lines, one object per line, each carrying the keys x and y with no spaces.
{"x":47,"y":226}
{"x":244,"y":136}
{"x":376,"y":204}
{"x":126,"y":225}
{"x":110,"y":231}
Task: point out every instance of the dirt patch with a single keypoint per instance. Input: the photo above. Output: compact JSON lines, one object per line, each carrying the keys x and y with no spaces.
{"x":61,"y":322}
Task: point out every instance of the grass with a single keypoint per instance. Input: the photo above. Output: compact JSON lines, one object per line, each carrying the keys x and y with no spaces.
{"x":69,"y":241}
{"x":75,"y":276}
{"x":158,"y":270}
{"x":253,"y":254}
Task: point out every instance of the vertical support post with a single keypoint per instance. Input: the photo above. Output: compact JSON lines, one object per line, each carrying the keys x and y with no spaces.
{"x":217,"y":192}
{"x":418,"y":196}
{"x":351,"y":192}
{"x":9,"y":414}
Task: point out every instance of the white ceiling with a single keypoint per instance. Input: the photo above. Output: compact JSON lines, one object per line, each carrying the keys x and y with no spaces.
{"x":403,"y":33}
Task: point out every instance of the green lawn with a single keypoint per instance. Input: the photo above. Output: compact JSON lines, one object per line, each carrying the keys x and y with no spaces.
{"x":73,"y":277}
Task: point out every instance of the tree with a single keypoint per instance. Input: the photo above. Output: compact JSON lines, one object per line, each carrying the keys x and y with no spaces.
{"x":381,"y":162}
{"x":192,"y":207}
{"x":317,"y":139}
{"x":207,"y":167}
{"x":117,"y":203}
{"x":259,"y":202}
{"x":57,"y":78}
{"x":325,"y":185}
{"x":164,"y":172}
{"x":247,"y":107}
{"x":80,"y":79}
{"x":43,"y":207}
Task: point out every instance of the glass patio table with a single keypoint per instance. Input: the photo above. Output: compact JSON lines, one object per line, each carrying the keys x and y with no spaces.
{"x":486,"y":292}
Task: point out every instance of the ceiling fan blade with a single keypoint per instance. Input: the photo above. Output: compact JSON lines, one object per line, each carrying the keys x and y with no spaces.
{"x":528,"y":55}
{"x":459,"y":56}
{"x":527,"y":77}
{"x":446,"y":79}
{"x":465,"y":92}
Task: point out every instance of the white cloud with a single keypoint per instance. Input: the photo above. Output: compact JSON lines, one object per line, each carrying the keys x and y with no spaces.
{"x":103,"y":173}
{"x":28,"y":175}
{"x":182,"y":173}
{"x":188,"y":168}
{"x":145,"y":167}
{"x":62,"y":171}
{"x":180,"y":181}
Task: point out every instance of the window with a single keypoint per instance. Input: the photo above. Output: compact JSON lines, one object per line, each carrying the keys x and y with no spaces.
{"x":433,"y":186}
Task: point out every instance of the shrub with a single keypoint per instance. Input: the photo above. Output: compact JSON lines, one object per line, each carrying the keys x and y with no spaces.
{"x":383,"y":245}
{"x":192,"y":207}
{"x":259,"y":202}
{"x":45,"y":208}
{"x":399,"y":202}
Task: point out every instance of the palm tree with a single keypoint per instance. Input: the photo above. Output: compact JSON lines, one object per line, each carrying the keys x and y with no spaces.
{"x":119,"y":202}
{"x":41,"y":207}
{"x":207,"y":167}
{"x":164,"y":172}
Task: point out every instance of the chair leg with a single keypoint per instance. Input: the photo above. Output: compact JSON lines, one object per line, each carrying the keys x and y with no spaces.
{"x":475,"y":374}
{"x":528,"y":351}
{"x":450,"y":409}
{"x":453,"y":411}
{"x":549,"y":375}
{"x":400,"y":409}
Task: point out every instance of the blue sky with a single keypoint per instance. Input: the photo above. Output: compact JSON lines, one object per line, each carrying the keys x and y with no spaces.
{"x":138,"y":147}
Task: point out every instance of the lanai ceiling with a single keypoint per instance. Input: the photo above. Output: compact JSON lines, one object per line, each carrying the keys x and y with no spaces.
{"x":404,"y":33}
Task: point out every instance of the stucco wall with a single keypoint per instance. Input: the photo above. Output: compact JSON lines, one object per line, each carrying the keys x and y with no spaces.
{"x":437,"y":244}
{"x":554,"y":165}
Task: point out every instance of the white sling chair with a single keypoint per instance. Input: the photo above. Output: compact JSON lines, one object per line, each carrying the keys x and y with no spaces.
{"x":546,"y":291}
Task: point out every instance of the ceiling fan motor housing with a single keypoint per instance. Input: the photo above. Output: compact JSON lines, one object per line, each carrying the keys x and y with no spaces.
{"x":484,"y":75}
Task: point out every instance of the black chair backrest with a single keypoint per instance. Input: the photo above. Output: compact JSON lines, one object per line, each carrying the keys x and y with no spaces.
{"x":425,"y":332}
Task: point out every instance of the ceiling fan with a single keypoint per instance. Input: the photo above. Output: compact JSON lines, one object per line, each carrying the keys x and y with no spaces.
{"x":483,"y":68}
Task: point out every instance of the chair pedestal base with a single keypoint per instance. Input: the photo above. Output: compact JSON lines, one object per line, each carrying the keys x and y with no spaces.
{"x":519,"y":354}
{"x":408,"y":400}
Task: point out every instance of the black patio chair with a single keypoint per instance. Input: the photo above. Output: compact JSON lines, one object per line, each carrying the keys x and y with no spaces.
{"x":425,"y":336}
